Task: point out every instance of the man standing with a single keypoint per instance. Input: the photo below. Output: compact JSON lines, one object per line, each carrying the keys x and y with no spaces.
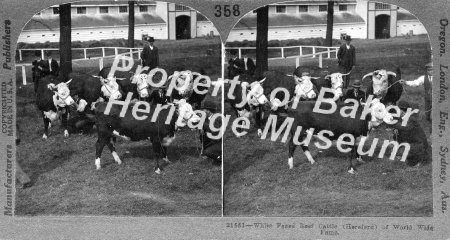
{"x":425,"y":80}
{"x":356,"y":93}
{"x":150,"y":55}
{"x":235,"y":65}
{"x":36,"y":69}
{"x":249,"y":65}
{"x":50,"y":66}
{"x":346,"y":58}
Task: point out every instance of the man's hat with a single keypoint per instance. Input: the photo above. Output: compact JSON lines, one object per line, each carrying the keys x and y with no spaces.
{"x":150,"y":39}
{"x":356,"y":83}
{"x":233,"y":51}
{"x":429,"y":65}
{"x":347,"y":38}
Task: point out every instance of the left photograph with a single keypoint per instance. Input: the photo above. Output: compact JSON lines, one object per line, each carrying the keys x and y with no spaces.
{"x":114,"y":104}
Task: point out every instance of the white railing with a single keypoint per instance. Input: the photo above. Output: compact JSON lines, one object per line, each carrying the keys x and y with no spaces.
{"x":100,"y":58}
{"x":315,"y":51}
{"x":85,"y":51}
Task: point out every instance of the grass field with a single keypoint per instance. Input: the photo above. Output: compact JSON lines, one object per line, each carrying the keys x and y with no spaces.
{"x":63,"y":173}
{"x":258,"y":182}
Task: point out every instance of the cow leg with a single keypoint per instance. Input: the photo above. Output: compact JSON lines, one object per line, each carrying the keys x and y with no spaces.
{"x":292,"y":147}
{"x":164,"y":153}
{"x":46,"y":125}
{"x":157,"y":150}
{"x":351,"y":168}
{"x":99,"y":145}
{"x":259,"y":115}
{"x":112,"y":148}
{"x":64,"y":118}
{"x":308,"y":154}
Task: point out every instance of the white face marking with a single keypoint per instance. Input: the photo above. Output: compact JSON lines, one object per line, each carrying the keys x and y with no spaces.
{"x":66,"y":133}
{"x":336,"y":83}
{"x":142,"y":85}
{"x":185,"y":114}
{"x":63,"y":92}
{"x":305,"y":88}
{"x":111,"y":89}
{"x":256,"y":95}
{"x":380,"y":82}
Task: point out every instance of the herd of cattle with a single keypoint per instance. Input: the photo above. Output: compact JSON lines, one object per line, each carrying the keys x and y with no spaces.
{"x":81,"y":101}
{"x":297,"y":100}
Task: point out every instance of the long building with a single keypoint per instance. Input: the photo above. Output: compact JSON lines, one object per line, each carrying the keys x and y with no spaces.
{"x":96,"y":20}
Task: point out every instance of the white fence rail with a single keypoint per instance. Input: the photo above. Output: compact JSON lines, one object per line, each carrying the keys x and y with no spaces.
{"x":131,"y":52}
{"x":316,"y":51}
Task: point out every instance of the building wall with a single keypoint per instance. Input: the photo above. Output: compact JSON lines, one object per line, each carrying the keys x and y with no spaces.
{"x":406,"y":26}
{"x":158,"y":31}
{"x":299,"y":32}
{"x":205,"y":28}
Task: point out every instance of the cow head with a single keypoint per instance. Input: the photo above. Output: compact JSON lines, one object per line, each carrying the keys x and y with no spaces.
{"x":255,"y":94}
{"x":110,"y":88}
{"x":337,"y":82}
{"x":142,"y":86}
{"x":185,"y":113}
{"x":61,"y":95}
{"x":304,"y":88}
{"x":184,"y":82}
{"x":379,"y":114}
{"x":380,"y":81}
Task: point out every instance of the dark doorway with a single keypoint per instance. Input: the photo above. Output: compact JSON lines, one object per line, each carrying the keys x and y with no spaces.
{"x":382,"y":26}
{"x":183,"y":26}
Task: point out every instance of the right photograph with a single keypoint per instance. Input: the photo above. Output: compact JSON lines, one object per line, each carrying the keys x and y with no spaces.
{"x":331,"y":104}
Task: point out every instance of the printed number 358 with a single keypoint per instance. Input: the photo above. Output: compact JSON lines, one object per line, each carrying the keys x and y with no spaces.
{"x":226,"y":11}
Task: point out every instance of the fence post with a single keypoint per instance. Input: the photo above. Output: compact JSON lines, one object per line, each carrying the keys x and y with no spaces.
{"x":116,"y":52}
{"x":320,"y":60}
{"x":297,"y":62}
{"x":282,"y":52}
{"x":103,"y":52}
{"x":20,"y":55}
{"x":85,"y":56}
{"x":314,"y":52}
{"x":301,"y":51}
{"x":24,"y":76}
{"x":131,"y":53}
{"x":139,"y":53}
{"x":100,"y":63}
{"x":240,"y":53}
{"x":42,"y":54}
{"x":329,"y":52}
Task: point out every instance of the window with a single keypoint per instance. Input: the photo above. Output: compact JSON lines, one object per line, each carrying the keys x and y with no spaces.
{"x":323,"y":8}
{"x":123,"y":9}
{"x":103,"y":9}
{"x":56,"y":10}
{"x":342,"y":8}
{"x":382,"y":6}
{"x":281,"y":9}
{"x":181,"y":8}
{"x":143,"y":8}
{"x":303,"y":8}
{"x":81,"y":10}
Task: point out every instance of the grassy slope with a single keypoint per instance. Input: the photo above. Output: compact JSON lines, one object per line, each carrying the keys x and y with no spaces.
{"x":66,"y":182}
{"x":258,"y":182}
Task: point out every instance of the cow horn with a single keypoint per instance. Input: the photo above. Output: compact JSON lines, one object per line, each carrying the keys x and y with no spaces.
{"x":120,"y":78}
{"x":391,"y":73}
{"x":347,"y":73}
{"x":69,"y":81}
{"x":367,"y":75}
{"x":95,"y":76}
{"x":264,"y":79}
{"x":327,"y":76}
{"x":315,"y":77}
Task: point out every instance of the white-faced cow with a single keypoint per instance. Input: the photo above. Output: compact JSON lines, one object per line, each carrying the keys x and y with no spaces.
{"x":53,"y":99}
{"x":141,"y":122}
{"x":385,"y":86}
{"x":329,"y":126}
{"x":184,"y":85}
